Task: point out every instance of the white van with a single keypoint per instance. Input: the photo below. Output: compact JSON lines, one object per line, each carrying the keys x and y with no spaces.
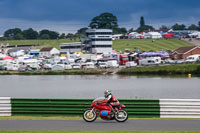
{"x":193,"y":58}
{"x":150,"y":61}
{"x":88,"y":65}
{"x":112,"y":63}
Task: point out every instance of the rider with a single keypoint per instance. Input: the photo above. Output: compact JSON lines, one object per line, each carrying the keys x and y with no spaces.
{"x":111,"y":100}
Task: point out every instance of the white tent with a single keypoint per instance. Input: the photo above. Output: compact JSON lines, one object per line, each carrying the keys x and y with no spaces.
{"x":116,"y":37}
{"x":132,"y":35}
{"x":153,"y":35}
{"x":195,"y":34}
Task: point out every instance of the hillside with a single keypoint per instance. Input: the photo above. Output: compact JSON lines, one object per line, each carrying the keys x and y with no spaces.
{"x":119,"y":45}
{"x":148,"y":44}
{"x":42,"y":43}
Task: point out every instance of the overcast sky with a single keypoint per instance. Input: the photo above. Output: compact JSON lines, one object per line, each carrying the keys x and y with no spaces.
{"x":67,"y":16}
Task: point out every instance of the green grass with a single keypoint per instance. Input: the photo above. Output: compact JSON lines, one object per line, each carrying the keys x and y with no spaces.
{"x":65,"y":72}
{"x":42,"y":43}
{"x":147,"y":44}
{"x":119,"y":45}
{"x":99,"y":131}
{"x":163,"y":70}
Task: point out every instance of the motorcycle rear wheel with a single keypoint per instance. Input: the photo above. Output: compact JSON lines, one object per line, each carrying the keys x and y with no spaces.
{"x":121,"y":116}
{"x":89,"y":115}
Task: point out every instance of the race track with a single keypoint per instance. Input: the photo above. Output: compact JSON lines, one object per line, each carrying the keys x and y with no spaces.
{"x":100,"y":125}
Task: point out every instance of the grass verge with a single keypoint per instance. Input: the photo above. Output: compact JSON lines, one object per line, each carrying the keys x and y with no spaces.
{"x":148,"y":44}
{"x":181,"y":69}
{"x":66,"y":72}
{"x":119,"y":45}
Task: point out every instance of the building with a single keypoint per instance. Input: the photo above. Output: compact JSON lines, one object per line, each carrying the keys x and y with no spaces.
{"x":71,"y":47}
{"x":98,"y":41}
{"x":49,"y":52}
{"x":184,"y":52}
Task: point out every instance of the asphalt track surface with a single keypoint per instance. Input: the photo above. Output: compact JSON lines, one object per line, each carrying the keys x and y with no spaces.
{"x":101,"y":125}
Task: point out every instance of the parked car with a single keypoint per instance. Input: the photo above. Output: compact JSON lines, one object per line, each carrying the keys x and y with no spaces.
{"x":131,"y":64}
{"x":68,"y":67}
{"x":88,"y":65}
{"x":170,"y":61}
{"x":76,"y":66}
{"x":2,"y":68}
{"x":102,"y":65}
{"x":112,"y":63}
{"x":193,"y":58}
{"x":180,"y":61}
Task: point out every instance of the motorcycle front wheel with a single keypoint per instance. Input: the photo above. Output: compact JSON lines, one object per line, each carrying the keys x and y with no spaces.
{"x":89,"y":115}
{"x":121,"y":116}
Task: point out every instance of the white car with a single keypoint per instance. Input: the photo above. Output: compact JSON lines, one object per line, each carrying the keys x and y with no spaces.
{"x":131,"y":64}
{"x":68,"y":67}
{"x":103,"y":65}
{"x":193,"y":58}
{"x":76,"y":66}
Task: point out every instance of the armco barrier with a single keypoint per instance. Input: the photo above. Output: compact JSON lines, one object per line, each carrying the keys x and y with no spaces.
{"x":5,"y":106}
{"x":180,"y":108}
{"x":75,"y":107}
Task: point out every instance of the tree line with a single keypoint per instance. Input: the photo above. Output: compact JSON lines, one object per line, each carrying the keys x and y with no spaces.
{"x":31,"y":34}
{"x":103,"y":21}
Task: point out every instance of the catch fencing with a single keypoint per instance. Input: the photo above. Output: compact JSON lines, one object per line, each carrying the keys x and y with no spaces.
{"x":75,"y":107}
{"x":179,"y":108}
{"x":5,"y":106}
{"x":137,"y":108}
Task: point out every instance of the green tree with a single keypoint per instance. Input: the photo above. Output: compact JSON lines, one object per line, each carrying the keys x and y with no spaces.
{"x":11,"y":33}
{"x":62,"y":36}
{"x":164,"y":28}
{"x":44,"y":36}
{"x":119,"y":31}
{"x":193,"y":27}
{"x":145,"y":28}
{"x":30,"y":34}
{"x":179,"y":27}
{"x":52,"y":34}
{"x":130,"y":30}
{"x":19,"y":36}
{"x":70,"y":36}
{"x":142,"y":23}
{"x":104,"y":21}
{"x":82,"y":30}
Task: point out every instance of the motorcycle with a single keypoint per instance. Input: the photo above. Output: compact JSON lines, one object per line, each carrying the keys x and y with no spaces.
{"x":99,"y":106}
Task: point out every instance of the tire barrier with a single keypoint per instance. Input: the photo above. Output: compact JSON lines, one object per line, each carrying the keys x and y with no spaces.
{"x":5,"y":106}
{"x":180,"y":108}
{"x":75,"y":107}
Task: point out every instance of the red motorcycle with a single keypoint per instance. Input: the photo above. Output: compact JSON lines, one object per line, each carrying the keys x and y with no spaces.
{"x":99,"y":106}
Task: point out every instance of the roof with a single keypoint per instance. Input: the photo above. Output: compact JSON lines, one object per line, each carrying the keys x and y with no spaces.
{"x":17,"y":49}
{"x":46,"y":49}
{"x":183,"y":50}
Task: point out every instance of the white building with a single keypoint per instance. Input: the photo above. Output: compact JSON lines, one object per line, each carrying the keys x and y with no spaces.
{"x":98,"y":40}
{"x":49,"y":52}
